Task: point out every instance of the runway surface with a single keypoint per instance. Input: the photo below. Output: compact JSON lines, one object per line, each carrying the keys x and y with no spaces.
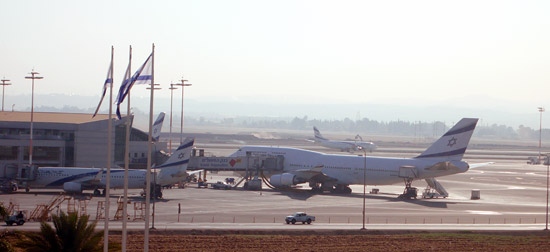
{"x":513,"y":197}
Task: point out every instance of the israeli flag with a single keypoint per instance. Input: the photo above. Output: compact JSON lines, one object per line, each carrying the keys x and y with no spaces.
{"x":108,"y":84}
{"x":144,"y":75}
{"x":122,"y":91}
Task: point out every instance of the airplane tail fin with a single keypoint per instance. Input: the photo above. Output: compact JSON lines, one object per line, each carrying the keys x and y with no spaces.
{"x":453,"y":144}
{"x":175,"y":168}
{"x":318,"y":136}
{"x":181,"y":155}
{"x":157,"y":126}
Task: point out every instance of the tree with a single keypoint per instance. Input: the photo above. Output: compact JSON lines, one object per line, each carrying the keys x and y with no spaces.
{"x":5,"y":246}
{"x":72,"y":233}
{"x":3,"y":211}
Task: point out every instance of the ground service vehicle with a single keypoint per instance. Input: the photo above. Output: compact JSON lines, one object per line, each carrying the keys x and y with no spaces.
{"x":221,"y":185}
{"x":17,"y":218}
{"x":299,"y":217}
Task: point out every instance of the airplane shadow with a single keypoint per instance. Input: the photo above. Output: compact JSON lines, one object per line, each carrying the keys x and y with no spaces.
{"x":390,"y":197}
{"x":84,"y":196}
{"x":56,"y":193}
{"x":297,"y":195}
{"x":142,"y":199}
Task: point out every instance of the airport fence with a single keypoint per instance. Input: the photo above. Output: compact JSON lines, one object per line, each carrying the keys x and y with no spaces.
{"x":359,"y":219}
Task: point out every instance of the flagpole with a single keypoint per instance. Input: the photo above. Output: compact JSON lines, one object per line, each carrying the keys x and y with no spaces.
{"x":109,"y":153}
{"x":149,"y":156}
{"x":126,"y":164}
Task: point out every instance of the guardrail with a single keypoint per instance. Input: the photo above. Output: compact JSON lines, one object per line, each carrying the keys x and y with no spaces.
{"x":486,"y":220}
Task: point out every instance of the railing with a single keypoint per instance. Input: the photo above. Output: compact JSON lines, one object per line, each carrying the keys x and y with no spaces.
{"x":379,"y":220}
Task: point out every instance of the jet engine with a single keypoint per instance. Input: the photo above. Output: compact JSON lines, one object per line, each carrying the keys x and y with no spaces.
{"x":283,"y":180}
{"x":72,"y":187}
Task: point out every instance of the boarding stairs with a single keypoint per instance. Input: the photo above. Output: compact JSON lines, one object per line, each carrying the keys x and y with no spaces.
{"x":100,"y":212}
{"x":120,"y":209}
{"x":139,"y":210}
{"x":12,"y":207}
{"x":42,"y":211}
{"x":435,"y":185}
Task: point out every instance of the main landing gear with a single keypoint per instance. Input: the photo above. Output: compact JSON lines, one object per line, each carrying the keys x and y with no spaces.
{"x":333,"y":188}
{"x":341,"y":189}
{"x":409,"y":192}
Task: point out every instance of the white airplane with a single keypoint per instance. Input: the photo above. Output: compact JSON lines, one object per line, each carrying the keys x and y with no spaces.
{"x":336,"y":172}
{"x":77,"y":179}
{"x":349,"y":146}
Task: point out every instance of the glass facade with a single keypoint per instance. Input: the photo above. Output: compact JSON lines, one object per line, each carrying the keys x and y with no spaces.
{"x":46,"y":134}
{"x":120,"y":139}
{"x":57,"y":147}
{"x":47,"y":155}
{"x":42,"y":153}
{"x":9,"y":152}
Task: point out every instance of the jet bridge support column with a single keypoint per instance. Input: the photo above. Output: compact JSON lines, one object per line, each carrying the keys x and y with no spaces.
{"x":252,"y":183}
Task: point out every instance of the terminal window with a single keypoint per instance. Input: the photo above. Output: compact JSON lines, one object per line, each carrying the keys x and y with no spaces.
{"x":44,"y":153}
{"x":8,"y":152}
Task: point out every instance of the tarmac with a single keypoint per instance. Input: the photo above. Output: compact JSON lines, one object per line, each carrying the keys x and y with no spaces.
{"x":513,"y":197}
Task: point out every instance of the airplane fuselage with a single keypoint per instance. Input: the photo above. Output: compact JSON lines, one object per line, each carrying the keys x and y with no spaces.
{"x":350,"y":169}
{"x":56,"y":177}
{"x":349,"y":146}
{"x":73,"y":179}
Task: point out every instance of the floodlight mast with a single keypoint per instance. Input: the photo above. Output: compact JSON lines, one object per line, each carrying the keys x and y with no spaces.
{"x":4,"y":84}
{"x":33,"y":77}
{"x":541,"y":109}
{"x":172,"y":88}
{"x":364,"y":183}
{"x":183,"y":85}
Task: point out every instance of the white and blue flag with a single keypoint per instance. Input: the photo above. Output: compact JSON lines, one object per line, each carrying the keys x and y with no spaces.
{"x":122,"y":91}
{"x":143,"y":75}
{"x":108,"y":84}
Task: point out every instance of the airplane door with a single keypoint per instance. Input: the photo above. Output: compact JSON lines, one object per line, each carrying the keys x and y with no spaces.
{"x":408,"y":171}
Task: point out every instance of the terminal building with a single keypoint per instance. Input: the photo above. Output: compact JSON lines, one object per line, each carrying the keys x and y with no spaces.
{"x":69,"y":140}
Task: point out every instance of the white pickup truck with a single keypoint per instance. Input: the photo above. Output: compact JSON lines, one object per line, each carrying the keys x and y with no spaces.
{"x":299,"y":217}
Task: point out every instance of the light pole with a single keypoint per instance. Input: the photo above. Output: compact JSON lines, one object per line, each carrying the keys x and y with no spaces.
{"x":541,"y":109}
{"x":183,"y":85}
{"x":364,"y":184}
{"x":33,"y":77}
{"x":171,"y":101}
{"x":4,"y":84}
{"x":152,"y":88}
{"x":547,"y":180}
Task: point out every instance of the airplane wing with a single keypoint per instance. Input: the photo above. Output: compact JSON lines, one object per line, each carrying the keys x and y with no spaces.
{"x":89,"y":181}
{"x":473,"y":166}
{"x":189,"y":173}
{"x":315,"y":173}
{"x":96,"y":180}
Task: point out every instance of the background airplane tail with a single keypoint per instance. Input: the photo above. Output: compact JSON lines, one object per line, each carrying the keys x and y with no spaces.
{"x":317,"y":134}
{"x":453,"y":144}
{"x":157,"y":126}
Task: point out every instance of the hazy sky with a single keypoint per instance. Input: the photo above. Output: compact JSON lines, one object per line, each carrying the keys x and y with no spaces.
{"x":472,"y":54}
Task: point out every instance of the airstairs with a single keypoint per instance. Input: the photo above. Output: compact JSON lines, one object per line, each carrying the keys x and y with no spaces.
{"x":433,"y":187}
{"x":42,"y":211}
